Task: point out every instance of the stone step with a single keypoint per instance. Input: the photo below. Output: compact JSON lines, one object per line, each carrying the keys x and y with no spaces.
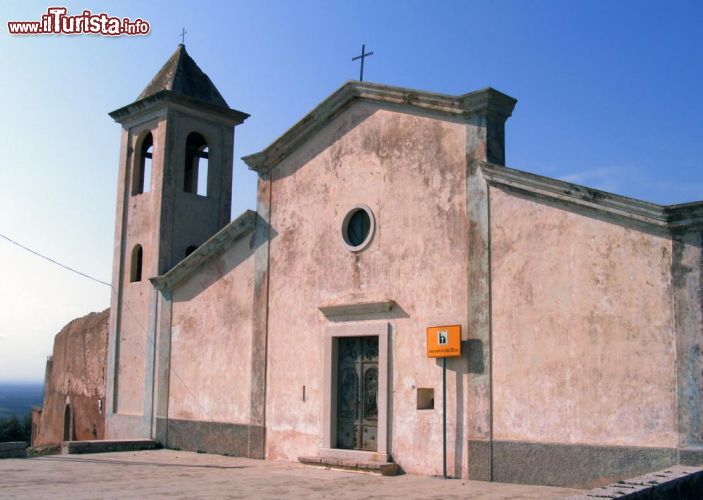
{"x":677,"y":481}
{"x":108,"y":445}
{"x":13,"y":449}
{"x":383,"y":468}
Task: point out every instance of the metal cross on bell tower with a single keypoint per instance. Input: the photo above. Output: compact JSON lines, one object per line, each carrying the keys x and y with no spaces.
{"x":183,"y":36}
{"x":363,"y":55}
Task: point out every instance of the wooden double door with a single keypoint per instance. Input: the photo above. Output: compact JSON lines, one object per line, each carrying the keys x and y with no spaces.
{"x":357,"y":393}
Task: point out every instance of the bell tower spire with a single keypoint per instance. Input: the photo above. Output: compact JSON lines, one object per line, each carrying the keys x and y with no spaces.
{"x":174,"y":192}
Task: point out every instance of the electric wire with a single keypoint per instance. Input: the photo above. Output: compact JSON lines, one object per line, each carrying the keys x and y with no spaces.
{"x":54,"y":261}
{"x":112,"y":289}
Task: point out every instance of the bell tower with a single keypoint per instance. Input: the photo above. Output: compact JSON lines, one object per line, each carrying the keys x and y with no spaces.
{"x":174,"y":192}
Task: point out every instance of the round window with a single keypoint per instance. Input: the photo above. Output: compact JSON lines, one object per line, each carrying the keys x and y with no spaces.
{"x":358,"y":227}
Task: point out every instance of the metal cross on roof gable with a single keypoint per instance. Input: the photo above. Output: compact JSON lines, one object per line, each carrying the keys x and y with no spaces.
{"x":363,"y":55}
{"x":183,"y":36}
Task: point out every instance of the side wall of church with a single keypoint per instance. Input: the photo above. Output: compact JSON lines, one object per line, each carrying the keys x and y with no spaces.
{"x":210,"y":366}
{"x":584,"y":345}
{"x":410,"y":170}
{"x":75,"y":378}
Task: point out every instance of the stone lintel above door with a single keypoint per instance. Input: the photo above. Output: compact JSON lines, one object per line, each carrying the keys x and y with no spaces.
{"x":336,"y":309}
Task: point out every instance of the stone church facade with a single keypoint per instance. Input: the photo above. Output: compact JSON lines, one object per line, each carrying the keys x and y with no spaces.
{"x":298,"y":330}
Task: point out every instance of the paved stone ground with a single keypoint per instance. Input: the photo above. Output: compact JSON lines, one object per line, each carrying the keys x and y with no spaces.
{"x":179,"y":474}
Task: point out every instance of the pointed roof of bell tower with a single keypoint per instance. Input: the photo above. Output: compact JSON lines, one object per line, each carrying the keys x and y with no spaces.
{"x":180,"y":81}
{"x":182,"y":75}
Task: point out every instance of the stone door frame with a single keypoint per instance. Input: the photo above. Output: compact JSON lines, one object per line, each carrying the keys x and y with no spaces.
{"x":329,"y":399}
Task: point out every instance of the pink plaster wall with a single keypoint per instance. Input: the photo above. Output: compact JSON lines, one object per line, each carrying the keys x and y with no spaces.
{"x":142,"y":223}
{"x":195,"y":218}
{"x":583,"y":333}
{"x":411,"y":171}
{"x":211,"y":339}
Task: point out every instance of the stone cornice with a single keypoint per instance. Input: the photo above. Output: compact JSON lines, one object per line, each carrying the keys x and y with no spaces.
{"x":239,"y":227}
{"x":486,"y":101}
{"x":665,"y":218}
{"x":230,"y":116}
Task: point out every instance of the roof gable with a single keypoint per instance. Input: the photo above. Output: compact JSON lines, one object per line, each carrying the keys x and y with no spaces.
{"x":487,"y":100}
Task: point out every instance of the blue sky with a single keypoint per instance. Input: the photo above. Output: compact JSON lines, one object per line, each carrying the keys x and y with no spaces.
{"x":609,"y":95}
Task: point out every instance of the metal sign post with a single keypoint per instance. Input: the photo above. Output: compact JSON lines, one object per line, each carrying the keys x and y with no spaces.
{"x":444,"y":418}
{"x":444,"y":342}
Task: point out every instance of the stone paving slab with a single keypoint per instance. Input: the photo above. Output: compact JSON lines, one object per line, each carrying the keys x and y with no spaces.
{"x":180,"y":474}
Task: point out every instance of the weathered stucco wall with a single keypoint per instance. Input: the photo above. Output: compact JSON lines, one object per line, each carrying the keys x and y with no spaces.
{"x":195,"y":218}
{"x":411,"y":171}
{"x":211,"y":339}
{"x":75,"y":376}
{"x":583,"y":330}
{"x":137,"y":225}
{"x":688,"y":283}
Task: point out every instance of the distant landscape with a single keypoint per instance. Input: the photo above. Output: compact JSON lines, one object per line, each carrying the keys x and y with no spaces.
{"x":17,"y":398}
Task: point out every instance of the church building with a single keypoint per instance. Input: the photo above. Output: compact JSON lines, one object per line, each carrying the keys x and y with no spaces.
{"x":299,"y":331}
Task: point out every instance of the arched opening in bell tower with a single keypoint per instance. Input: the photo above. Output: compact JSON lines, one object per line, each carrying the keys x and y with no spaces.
{"x":142,"y":174}
{"x":135,"y":271}
{"x":196,"y":165}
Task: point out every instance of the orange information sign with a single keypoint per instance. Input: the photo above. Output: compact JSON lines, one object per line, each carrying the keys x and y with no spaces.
{"x":444,"y":341}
